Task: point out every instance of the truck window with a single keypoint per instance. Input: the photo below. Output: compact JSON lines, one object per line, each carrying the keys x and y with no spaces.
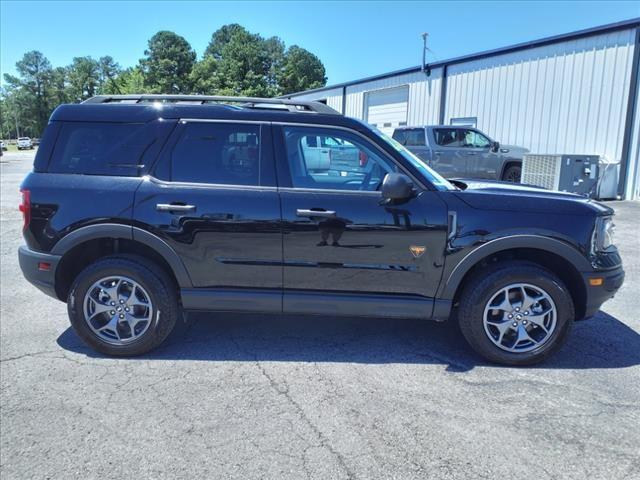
{"x":446,"y":137}
{"x":399,"y":136}
{"x":473,"y":139}
{"x":415,"y":137}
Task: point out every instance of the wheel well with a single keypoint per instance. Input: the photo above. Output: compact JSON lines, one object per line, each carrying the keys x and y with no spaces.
{"x":511,"y":163}
{"x":561,"y":267}
{"x":84,"y":254}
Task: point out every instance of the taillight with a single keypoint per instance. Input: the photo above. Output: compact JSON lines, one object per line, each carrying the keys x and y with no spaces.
{"x":25,"y":207}
{"x":363,"y":158}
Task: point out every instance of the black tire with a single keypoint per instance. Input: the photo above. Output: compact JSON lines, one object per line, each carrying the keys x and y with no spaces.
{"x":484,"y":284}
{"x":153,"y":279}
{"x":513,"y":174}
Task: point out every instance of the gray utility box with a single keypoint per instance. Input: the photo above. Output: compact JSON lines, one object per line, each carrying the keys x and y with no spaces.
{"x":566,"y":173}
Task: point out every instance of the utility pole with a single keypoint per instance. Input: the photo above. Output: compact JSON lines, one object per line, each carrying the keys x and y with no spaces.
{"x":424,"y":50}
{"x":425,"y":69}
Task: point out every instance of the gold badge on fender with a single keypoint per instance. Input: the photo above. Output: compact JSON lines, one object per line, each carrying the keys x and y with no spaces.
{"x":417,"y":250}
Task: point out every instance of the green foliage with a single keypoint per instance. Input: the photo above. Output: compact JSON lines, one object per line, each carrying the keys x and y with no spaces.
{"x":302,"y":70}
{"x":168,"y":63}
{"x":236,"y":62}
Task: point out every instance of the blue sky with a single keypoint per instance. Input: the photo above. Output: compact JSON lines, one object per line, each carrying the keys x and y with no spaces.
{"x":353,"y":39}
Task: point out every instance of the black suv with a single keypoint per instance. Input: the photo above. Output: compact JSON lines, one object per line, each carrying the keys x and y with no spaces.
{"x":141,"y":207}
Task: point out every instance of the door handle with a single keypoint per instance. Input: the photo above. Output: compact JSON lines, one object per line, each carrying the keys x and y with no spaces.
{"x":303,"y":212}
{"x":471,"y":153}
{"x":175,"y":207}
{"x":438,"y":152}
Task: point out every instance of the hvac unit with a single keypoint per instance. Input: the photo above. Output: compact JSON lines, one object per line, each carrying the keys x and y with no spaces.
{"x":566,"y":173}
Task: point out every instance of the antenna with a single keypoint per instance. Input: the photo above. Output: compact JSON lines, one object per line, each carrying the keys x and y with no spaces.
{"x":425,"y":68}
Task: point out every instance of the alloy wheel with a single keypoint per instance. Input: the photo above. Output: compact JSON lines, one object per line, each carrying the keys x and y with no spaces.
{"x":520,"y":317}
{"x":118,"y":310}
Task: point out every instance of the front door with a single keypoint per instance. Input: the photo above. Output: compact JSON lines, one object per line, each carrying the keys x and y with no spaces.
{"x":481,"y":161}
{"x":213,"y":199}
{"x":448,"y":157}
{"x":337,"y":235}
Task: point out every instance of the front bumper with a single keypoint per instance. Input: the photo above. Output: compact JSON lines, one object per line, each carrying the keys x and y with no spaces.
{"x":32,"y":265}
{"x":598,"y":294}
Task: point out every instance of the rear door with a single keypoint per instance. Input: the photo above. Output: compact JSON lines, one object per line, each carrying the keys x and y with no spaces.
{"x":212,"y":197}
{"x":448,"y":157}
{"x":415,"y":140}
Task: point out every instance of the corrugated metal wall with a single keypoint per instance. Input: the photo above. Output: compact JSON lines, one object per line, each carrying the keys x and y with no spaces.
{"x":633,"y":172}
{"x":424,"y":95}
{"x":333,"y":97}
{"x":569,"y":97}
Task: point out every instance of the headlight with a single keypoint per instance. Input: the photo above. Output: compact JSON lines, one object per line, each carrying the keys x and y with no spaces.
{"x":603,"y":234}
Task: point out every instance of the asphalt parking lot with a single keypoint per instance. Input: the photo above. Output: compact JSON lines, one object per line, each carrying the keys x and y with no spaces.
{"x":244,"y":397}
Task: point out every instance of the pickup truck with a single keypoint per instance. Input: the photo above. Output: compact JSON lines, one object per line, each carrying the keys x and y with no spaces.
{"x":463,"y":152}
{"x":24,"y":143}
{"x":324,"y":154}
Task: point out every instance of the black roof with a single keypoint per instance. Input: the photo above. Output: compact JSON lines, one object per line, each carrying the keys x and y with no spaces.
{"x":145,"y":112}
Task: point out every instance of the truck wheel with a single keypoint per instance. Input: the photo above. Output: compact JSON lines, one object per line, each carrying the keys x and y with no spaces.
{"x":123,"y":305}
{"x":512,"y":174}
{"x":515,"y":314}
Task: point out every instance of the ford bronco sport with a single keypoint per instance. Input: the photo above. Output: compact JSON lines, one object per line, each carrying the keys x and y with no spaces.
{"x":141,"y":207}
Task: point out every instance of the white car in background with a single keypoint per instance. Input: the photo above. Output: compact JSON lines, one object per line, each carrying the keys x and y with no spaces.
{"x":2,"y":146}
{"x":24,"y":143}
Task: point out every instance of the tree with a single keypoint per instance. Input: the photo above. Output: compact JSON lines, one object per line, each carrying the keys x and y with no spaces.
{"x":222,"y":37}
{"x":31,"y":89}
{"x":108,"y":70}
{"x":204,"y":76}
{"x":243,"y":62}
{"x":84,"y":78}
{"x":130,"y":80}
{"x":248,"y":64}
{"x":275,"y":49}
{"x":302,"y":70}
{"x":168,"y":62}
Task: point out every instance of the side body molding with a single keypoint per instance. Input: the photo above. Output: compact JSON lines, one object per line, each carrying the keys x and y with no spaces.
{"x":116,"y":230}
{"x":548,"y":244}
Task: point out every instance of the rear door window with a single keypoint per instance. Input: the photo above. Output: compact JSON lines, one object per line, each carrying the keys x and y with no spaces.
{"x":96,"y":148}
{"x":217,"y":153}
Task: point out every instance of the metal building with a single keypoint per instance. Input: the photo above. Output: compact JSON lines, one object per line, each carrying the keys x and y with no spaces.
{"x":576,"y":93}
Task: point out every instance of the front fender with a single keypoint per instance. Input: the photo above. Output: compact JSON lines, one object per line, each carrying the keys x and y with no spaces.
{"x":545,"y":244}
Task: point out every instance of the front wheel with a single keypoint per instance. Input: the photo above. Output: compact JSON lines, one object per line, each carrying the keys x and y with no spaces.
{"x":512,"y":174}
{"x":123,"y":306}
{"x":517,"y":314}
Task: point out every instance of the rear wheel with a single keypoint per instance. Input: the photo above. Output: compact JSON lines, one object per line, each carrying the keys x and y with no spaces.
{"x":123,"y":306}
{"x":517,"y":314}
{"x":513,"y":174}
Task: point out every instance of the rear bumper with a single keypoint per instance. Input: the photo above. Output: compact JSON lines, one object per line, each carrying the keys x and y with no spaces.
{"x":31,"y":264}
{"x":596,"y":295}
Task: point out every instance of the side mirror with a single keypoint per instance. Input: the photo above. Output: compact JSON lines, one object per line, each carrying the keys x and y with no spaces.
{"x":495,"y":146}
{"x":397,"y":187}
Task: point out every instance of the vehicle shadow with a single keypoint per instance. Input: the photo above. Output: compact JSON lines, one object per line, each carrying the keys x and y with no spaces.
{"x":601,"y":342}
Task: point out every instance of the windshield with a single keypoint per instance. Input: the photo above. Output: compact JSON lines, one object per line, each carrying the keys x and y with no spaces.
{"x":435,"y":178}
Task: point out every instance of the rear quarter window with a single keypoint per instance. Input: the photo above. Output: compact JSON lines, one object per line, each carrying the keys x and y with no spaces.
{"x":96,"y":148}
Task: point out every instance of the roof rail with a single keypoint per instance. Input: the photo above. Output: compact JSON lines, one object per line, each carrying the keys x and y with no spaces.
{"x":245,"y":102}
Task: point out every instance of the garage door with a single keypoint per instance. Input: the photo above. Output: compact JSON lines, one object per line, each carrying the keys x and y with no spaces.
{"x":387,"y":109}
